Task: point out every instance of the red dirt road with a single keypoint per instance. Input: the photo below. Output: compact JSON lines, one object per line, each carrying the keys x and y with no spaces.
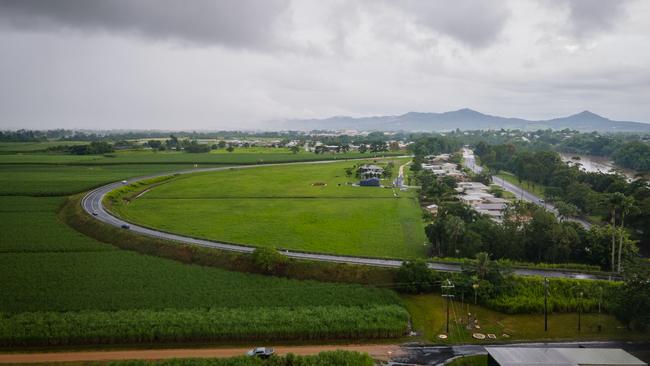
{"x":381,"y":352}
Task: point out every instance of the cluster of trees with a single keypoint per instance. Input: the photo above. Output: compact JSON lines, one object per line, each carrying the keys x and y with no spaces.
{"x":94,"y":148}
{"x":609,"y":196}
{"x":187,"y":145}
{"x":527,"y":233}
{"x":22,"y":136}
{"x":434,"y":145}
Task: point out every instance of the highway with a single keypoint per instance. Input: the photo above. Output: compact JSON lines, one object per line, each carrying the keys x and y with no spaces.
{"x":92,"y":204}
{"x":520,"y":193}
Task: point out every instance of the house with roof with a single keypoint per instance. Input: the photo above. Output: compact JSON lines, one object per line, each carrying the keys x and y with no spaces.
{"x":370,"y":170}
{"x":432,"y":209}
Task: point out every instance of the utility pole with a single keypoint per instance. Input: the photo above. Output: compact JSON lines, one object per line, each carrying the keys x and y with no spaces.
{"x":545,"y":304}
{"x":446,"y":292}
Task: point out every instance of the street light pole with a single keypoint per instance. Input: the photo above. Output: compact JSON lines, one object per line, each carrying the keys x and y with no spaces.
{"x":475,"y":287}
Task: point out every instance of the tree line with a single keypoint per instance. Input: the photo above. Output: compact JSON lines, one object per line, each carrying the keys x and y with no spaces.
{"x":623,"y":204}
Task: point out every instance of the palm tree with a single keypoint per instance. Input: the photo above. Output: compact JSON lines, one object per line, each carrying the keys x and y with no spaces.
{"x":615,"y":201}
{"x":454,"y":229}
{"x":482,"y":264}
{"x":627,"y":206}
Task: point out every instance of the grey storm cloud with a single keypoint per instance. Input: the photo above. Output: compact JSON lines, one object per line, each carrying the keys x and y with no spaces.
{"x":592,"y":16}
{"x":476,"y":23}
{"x":241,"y":23}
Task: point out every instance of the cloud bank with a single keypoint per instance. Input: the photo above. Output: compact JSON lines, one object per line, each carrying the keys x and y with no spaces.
{"x":210,"y":64}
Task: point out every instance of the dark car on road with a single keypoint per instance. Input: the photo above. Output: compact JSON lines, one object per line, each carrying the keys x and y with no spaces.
{"x":125,"y":226}
{"x":261,"y":352}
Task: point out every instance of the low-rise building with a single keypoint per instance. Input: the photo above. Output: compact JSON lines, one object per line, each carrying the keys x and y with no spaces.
{"x":432,"y":208}
{"x":370,"y":170}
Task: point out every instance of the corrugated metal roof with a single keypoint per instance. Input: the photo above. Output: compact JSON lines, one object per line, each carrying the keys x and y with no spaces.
{"x":600,"y":356}
{"x":516,"y":356}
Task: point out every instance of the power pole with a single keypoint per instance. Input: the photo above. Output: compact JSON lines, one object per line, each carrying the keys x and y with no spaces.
{"x":446,"y":292}
{"x":545,"y":304}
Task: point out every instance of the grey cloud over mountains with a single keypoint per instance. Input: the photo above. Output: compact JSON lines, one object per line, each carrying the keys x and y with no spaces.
{"x":238,"y":63}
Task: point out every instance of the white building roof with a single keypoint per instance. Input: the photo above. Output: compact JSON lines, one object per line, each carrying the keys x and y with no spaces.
{"x":471,"y":197}
{"x":491,"y":206}
{"x":496,"y":200}
{"x":517,"y":356}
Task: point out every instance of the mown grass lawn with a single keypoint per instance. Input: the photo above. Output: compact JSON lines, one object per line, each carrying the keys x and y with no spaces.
{"x":428,"y":314}
{"x":301,"y":207}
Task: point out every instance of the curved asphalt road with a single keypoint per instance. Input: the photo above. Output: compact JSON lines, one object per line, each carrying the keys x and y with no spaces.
{"x":92,"y":204}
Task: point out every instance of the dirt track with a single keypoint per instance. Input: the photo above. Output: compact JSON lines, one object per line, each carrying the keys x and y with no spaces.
{"x":376,"y":351}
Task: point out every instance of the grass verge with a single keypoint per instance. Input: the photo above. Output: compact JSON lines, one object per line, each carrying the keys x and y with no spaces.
{"x":428,"y":314}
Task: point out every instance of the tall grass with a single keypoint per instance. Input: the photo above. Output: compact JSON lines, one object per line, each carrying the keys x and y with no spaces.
{"x":203,"y":325}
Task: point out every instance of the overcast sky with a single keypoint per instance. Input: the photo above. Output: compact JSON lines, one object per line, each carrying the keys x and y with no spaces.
{"x":208,"y":64}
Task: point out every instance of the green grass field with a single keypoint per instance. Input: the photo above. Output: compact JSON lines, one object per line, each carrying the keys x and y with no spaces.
{"x":23,"y":147}
{"x":57,"y":278}
{"x":429,"y":319}
{"x":239,"y":156}
{"x":281,"y":207}
{"x":56,"y":180}
{"x":60,"y":287}
{"x":49,"y":266}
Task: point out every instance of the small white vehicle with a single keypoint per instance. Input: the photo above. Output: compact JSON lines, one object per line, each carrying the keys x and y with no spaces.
{"x":124,"y":182}
{"x":261,"y":352}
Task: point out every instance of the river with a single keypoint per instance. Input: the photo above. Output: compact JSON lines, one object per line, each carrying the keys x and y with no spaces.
{"x":591,"y":163}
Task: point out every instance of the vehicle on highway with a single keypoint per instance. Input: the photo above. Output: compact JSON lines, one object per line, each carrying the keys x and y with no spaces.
{"x":541,"y":201}
{"x":94,"y":213}
{"x":124,"y":182}
{"x":125,"y":226}
{"x":261,"y":352}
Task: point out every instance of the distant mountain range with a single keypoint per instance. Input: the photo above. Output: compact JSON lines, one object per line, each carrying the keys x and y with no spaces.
{"x":464,"y":119}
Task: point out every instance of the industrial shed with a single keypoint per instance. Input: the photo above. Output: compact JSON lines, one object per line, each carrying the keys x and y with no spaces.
{"x":518,"y":356}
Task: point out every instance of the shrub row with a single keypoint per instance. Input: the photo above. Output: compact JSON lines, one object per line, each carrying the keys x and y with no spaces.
{"x":526,"y":295}
{"x":203,"y":325}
